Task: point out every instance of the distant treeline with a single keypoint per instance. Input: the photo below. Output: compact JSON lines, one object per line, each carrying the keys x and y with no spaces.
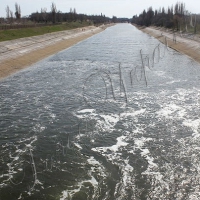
{"x":44,"y":17}
{"x":67,"y":17}
{"x":53,"y":16}
{"x":176,"y":17}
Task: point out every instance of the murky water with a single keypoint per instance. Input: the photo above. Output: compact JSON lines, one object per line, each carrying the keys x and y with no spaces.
{"x":113,"y":117}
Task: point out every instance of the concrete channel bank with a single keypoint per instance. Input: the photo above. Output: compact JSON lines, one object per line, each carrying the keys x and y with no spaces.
{"x":188,"y":44}
{"x":20,"y":53}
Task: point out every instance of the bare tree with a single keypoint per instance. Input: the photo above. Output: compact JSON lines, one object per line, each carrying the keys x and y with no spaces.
{"x":71,"y":15}
{"x":195,"y":24}
{"x":7,"y":12}
{"x":75,"y":14}
{"x":17,"y":11}
{"x":37,"y":16}
{"x":53,"y":12}
{"x":11,"y":17}
{"x":59,"y":16}
{"x":44,"y":14}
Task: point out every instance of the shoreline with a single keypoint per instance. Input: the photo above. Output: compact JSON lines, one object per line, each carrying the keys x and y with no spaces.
{"x":18,"y":54}
{"x":186,"y":46}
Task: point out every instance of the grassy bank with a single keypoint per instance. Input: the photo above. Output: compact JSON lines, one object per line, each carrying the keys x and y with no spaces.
{"x":28,"y":32}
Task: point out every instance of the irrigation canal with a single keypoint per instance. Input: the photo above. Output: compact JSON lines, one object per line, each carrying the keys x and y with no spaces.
{"x":114,"y":117}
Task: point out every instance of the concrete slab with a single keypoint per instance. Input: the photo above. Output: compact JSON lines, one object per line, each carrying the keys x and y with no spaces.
{"x":19,"y":53}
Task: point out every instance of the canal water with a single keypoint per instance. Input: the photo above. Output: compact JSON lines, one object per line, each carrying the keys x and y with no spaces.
{"x":114,"y":117}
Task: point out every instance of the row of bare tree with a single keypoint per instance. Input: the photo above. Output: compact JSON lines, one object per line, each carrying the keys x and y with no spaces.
{"x":10,"y":15}
{"x":53,"y":16}
{"x":175,"y":17}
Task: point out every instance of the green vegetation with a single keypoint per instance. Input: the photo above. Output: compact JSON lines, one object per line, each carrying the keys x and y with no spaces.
{"x":27,"y":32}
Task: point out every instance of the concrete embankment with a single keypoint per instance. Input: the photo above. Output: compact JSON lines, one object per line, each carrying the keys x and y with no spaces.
{"x":20,"y":53}
{"x":187,"y":44}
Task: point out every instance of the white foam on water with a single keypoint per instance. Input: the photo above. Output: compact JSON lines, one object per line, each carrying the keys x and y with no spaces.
{"x":174,"y":81}
{"x":85,"y":114}
{"x":28,"y":145}
{"x":53,"y":116}
{"x":113,"y":154}
{"x":174,"y":178}
{"x":120,"y":143}
{"x":133,"y":113}
{"x":111,"y":119}
{"x":194,"y":125}
{"x":39,"y":128}
{"x":114,"y":148}
{"x":183,"y":94}
{"x":160,"y":73}
{"x":92,"y":161}
{"x":20,"y":196}
{"x":78,"y":145}
{"x":15,"y":166}
{"x":171,"y":111}
{"x":103,"y":122}
{"x":145,"y":153}
{"x":68,"y":194}
{"x":86,"y":111}
{"x":127,"y":180}
{"x":2,"y":185}
{"x":107,"y":123}
{"x":127,"y":171}
{"x":140,"y":142}
{"x":65,"y":195}
{"x":96,"y":168}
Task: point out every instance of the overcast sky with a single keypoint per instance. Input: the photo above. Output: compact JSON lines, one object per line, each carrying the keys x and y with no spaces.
{"x":119,"y":8}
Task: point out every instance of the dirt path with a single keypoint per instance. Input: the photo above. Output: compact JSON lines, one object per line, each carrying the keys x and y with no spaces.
{"x":18,"y":54}
{"x":185,"y":44}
